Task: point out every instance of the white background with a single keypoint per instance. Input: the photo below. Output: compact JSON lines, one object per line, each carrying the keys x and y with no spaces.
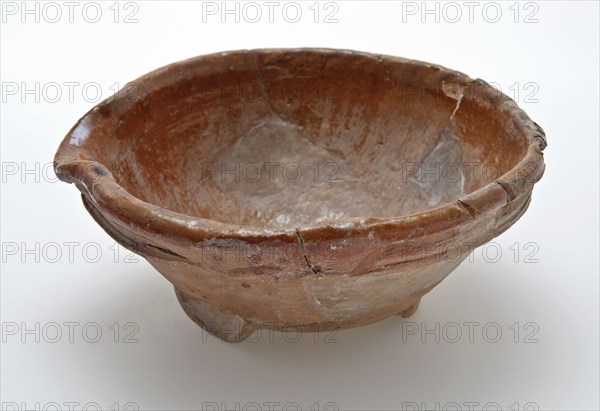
{"x":174,"y":365}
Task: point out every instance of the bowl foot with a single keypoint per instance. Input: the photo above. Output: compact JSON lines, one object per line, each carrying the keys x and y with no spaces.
{"x":410,"y":310}
{"x":218,"y":322}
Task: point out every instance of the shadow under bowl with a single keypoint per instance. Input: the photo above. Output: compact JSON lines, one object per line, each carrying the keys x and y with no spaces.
{"x":306,"y":188}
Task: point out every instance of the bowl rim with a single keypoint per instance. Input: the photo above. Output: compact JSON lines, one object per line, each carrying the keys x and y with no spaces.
{"x":97,"y":181}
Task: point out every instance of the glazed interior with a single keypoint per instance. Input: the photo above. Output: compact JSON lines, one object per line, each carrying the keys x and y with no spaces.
{"x":289,"y":138}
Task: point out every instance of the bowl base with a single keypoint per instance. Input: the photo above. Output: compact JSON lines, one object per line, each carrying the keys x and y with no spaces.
{"x":232,"y":328}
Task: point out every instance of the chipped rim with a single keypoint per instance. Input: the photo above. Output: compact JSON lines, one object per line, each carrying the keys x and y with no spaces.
{"x":95,"y":180}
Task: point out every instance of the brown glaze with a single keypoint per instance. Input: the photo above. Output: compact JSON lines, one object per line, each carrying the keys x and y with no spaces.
{"x":304,"y":188}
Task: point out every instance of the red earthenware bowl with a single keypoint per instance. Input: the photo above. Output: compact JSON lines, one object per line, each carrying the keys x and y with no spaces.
{"x":304,"y":188}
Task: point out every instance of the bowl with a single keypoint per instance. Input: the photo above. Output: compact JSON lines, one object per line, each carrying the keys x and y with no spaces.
{"x":309,"y":188}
